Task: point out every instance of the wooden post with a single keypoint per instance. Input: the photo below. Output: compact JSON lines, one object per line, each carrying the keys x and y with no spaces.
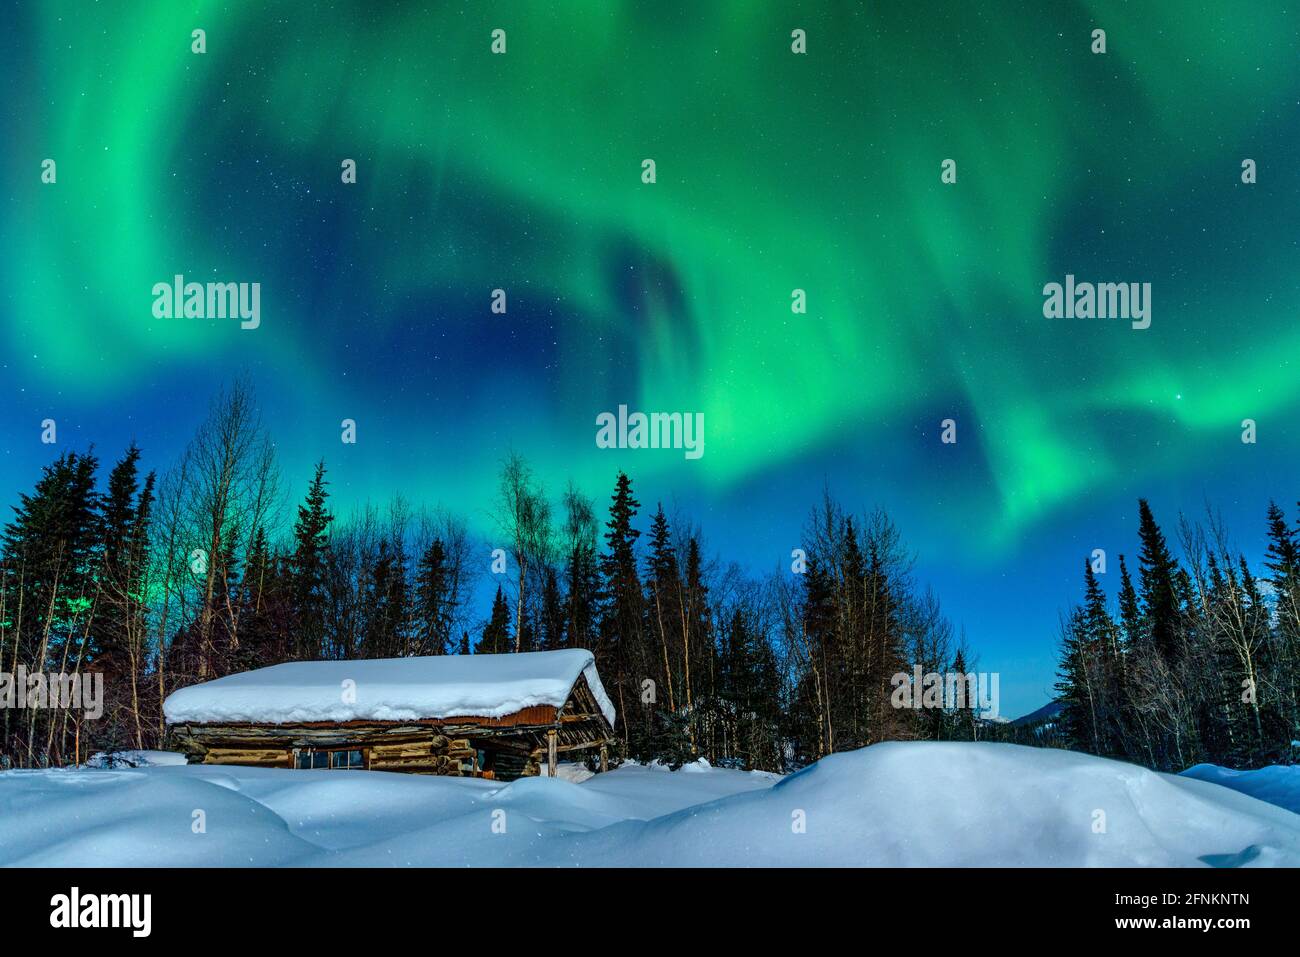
{"x":604,"y":759}
{"x":551,"y":745}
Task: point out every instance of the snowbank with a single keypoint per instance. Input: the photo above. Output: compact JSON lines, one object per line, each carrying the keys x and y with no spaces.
{"x":929,"y":804}
{"x":134,"y":759}
{"x":1277,"y":785}
{"x":390,"y":689}
{"x":891,"y":804}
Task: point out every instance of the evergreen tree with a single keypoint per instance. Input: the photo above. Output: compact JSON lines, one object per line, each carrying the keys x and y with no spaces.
{"x":496,"y":633}
{"x":386,"y":607}
{"x":1130,"y":612}
{"x":661,"y":600}
{"x":310,"y":564}
{"x":117,"y":569}
{"x":51,"y":547}
{"x":120,"y":648}
{"x":550,"y":628}
{"x":749,"y":692}
{"x":695,"y":646}
{"x":433,"y":608}
{"x":621,"y":650}
{"x":582,"y":598}
{"x":1076,"y":688}
{"x":963,"y":720}
{"x":1109,"y":695}
{"x":52,"y":562}
{"x":1283,"y":562}
{"x":885,"y":656}
{"x":813,"y":729}
{"x":266,"y":616}
{"x":1157,"y":574}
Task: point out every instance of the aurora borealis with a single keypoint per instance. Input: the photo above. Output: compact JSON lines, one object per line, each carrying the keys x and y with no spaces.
{"x":775,"y":172}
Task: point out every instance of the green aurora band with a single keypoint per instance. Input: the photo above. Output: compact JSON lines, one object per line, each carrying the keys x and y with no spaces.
{"x":775,"y":172}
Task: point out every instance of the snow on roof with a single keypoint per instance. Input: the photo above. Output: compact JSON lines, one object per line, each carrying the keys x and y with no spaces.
{"x":390,"y":689}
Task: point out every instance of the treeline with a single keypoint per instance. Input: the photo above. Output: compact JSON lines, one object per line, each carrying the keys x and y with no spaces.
{"x":1198,"y":661}
{"x":162,"y":581}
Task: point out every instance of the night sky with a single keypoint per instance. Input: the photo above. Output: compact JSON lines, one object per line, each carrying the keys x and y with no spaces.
{"x":775,"y":172}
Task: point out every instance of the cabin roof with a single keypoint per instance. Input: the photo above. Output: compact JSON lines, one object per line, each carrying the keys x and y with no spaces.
{"x":390,"y":689}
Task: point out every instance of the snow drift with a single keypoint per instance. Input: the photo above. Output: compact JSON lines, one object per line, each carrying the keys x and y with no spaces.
{"x":1277,"y":785}
{"x":891,"y":804}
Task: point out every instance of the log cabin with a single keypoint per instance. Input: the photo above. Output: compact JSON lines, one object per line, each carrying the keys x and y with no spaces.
{"x":494,"y":716}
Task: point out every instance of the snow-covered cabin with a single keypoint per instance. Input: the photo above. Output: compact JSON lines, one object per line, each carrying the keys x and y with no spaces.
{"x":500,"y":716}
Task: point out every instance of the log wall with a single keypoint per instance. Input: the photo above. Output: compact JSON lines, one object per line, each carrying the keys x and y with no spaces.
{"x":518,"y":742}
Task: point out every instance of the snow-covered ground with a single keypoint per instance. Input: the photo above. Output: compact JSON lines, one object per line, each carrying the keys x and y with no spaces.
{"x":891,"y":804}
{"x":135,"y":759}
{"x":1276,"y":785}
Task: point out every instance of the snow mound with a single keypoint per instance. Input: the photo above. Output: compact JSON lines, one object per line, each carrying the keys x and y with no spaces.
{"x":390,"y":689}
{"x":147,"y":817}
{"x":932,"y":804}
{"x":1278,"y":785}
{"x":895,"y":804}
{"x":573,"y":771}
{"x":134,"y":759}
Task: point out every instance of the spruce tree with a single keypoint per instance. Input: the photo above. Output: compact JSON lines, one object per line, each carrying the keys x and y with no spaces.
{"x":1283,"y":562}
{"x":964,"y":717}
{"x":310,"y":563}
{"x":1157,"y":577}
{"x":550,"y":628}
{"x":698,"y":651}
{"x":621,"y":649}
{"x":661,"y":599}
{"x":885,"y":655}
{"x":582,"y":598}
{"x":117,"y":517}
{"x":1107,"y":663}
{"x":1076,"y":687}
{"x":495,"y":639}
{"x":119,"y":648}
{"x":433,"y":606}
{"x":812,"y":728}
{"x":265,"y":617}
{"x":384,"y":634}
{"x":1130,"y":612}
{"x":51,"y":546}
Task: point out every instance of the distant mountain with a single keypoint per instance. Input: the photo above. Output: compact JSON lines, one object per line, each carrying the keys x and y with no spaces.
{"x":1045,"y":713}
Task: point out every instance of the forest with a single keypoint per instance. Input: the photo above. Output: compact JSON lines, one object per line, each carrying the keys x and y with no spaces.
{"x":1198,"y":662}
{"x":159,"y":579}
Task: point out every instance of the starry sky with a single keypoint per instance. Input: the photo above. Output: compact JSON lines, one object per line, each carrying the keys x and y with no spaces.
{"x":775,"y":172}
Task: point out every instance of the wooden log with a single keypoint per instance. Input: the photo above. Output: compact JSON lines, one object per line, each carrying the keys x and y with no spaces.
{"x":551,"y":757}
{"x":257,"y":758}
{"x":426,"y":764}
{"x":379,"y":763}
